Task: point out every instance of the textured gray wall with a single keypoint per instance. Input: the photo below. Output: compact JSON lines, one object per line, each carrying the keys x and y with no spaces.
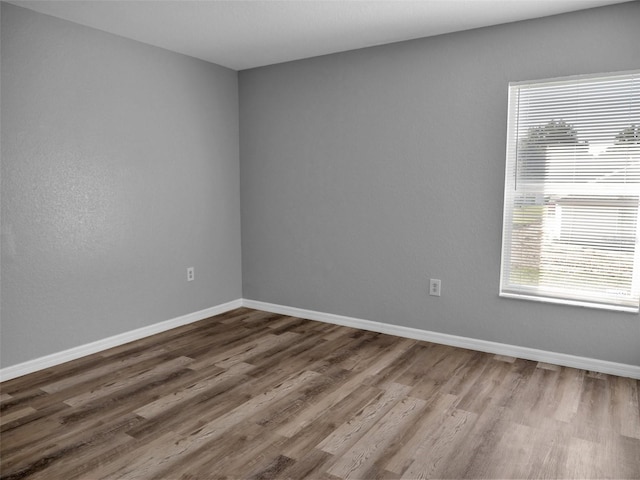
{"x":119,"y":170}
{"x":364,"y":174}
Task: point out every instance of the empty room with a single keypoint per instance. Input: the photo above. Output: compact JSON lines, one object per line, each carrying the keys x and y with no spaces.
{"x":320,"y":239}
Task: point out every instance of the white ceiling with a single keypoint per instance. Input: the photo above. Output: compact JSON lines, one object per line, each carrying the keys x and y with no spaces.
{"x":242,"y":34}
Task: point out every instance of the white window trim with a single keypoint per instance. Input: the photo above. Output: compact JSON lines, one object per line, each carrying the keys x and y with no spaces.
{"x":543,"y":294}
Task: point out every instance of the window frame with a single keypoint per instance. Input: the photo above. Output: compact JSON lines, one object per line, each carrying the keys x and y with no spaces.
{"x":539,"y":293}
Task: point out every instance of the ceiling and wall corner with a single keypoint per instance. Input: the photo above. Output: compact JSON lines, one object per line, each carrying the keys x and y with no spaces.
{"x":248,"y":34}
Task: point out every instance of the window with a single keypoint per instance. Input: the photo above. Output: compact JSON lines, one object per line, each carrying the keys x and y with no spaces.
{"x":572,"y":192}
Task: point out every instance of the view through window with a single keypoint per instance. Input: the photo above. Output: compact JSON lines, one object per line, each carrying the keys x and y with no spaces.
{"x":572,"y":192}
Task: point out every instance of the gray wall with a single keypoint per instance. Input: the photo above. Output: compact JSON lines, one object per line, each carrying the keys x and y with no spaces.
{"x":119,"y":170}
{"x":364,"y":174}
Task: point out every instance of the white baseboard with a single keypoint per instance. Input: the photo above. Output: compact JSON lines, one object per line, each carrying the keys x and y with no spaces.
{"x":584,"y":363}
{"x":71,"y":354}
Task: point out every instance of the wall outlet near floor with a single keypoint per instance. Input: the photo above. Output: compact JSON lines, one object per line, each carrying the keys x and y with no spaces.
{"x":434,"y":287}
{"x":190,"y":274}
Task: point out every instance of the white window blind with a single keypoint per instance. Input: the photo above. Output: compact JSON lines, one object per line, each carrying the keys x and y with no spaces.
{"x":571,"y":206}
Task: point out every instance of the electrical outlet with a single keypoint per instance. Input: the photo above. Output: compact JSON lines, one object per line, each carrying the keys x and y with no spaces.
{"x":434,"y":287}
{"x":190,"y":274}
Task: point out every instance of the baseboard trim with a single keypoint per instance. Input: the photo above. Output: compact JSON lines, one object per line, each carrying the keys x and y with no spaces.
{"x":584,"y":363}
{"x":54,"y":359}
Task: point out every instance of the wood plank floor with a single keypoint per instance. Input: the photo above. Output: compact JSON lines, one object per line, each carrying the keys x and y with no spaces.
{"x":254,"y":395}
